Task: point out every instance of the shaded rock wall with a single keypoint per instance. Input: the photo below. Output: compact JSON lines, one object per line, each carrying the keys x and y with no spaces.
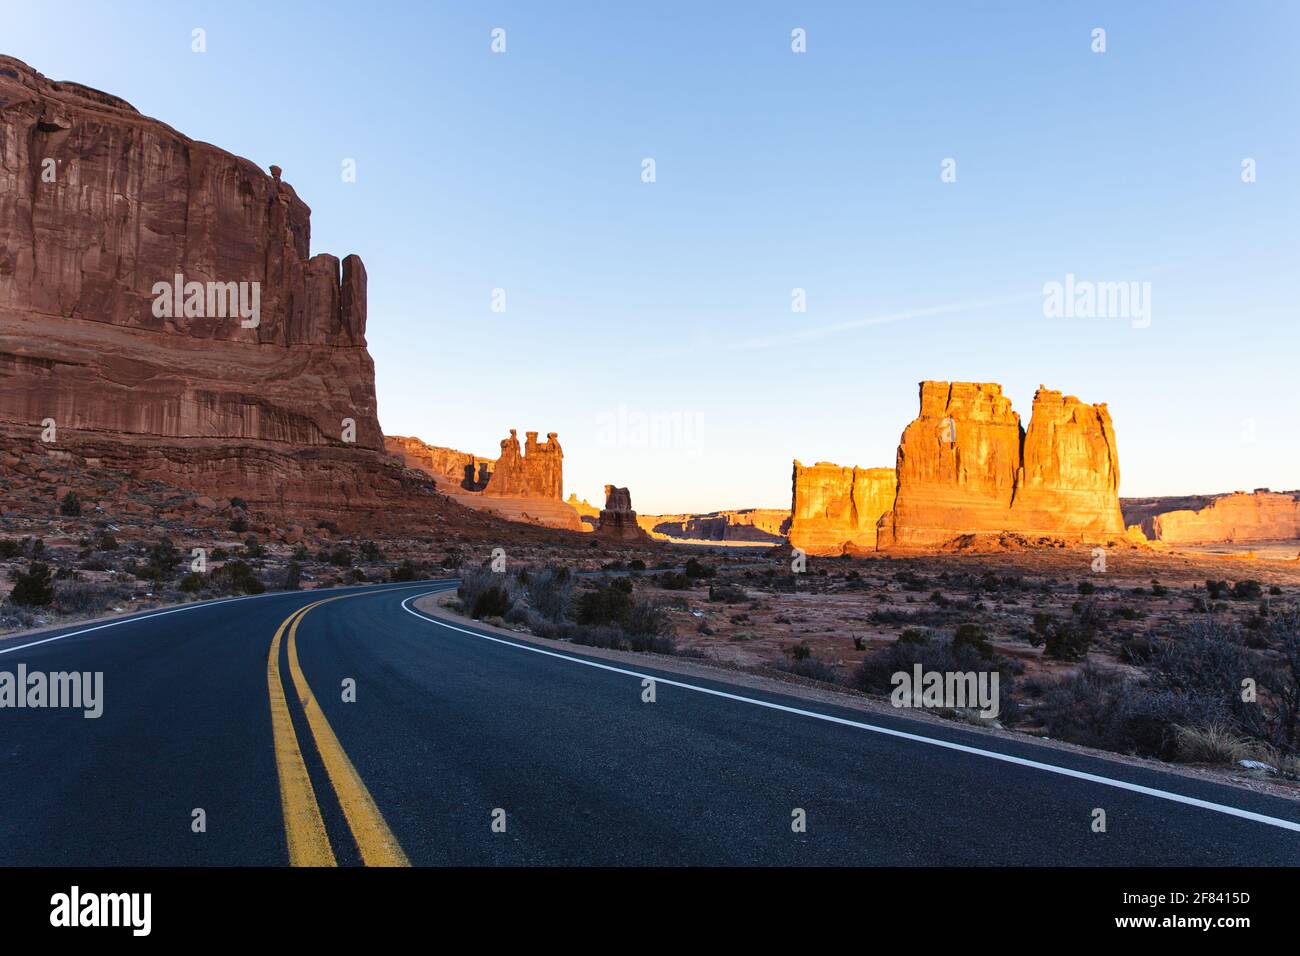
{"x":98,"y":205}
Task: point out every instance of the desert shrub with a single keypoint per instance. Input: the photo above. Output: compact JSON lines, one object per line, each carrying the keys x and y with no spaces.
{"x":1216,"y":743}
{"x":70,"y":506}
{"x":193,"y":583}
{"x":1137,"y":650}
{"x":370,"y":551}
{"x":673,"y":581}
{"x":636,"y":564}
{"x":1087,"y":587}
{"x":811,"y":667}
{"x":9,"y":548}
{"x":695,"y":569}
{"x":972,"y":636}
{"x":1069,"y":639}
{"x":357,"y":575}
{"x":550,"y":593}
{"x":292,"y":576}
{"x":301,"y":553}
{"x":727,"y":594}
{"x":1158,"y":589}
{"x":933,"y":653}
{"x":240,"y":503}
{"x":236,"y":577}
{"x":1246,"y":591}
{"x":340,"y":557}
{"x":486,"y":594}
{"x":85,"y":597}
{"x":252,"y":549}
{"x":1216,"y":589}
{"x":32,"y":588}
{"x":800,"y":651}
{"x":239,"y":524}
{"x":160,"y":561}
{"x":607,"y":604}
{"x":406,"y":571}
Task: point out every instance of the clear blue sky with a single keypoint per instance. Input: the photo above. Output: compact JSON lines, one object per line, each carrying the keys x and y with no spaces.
{"x":774,"y":171}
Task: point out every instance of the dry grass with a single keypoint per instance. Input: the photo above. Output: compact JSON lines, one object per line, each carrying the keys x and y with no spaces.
{"x":1213,"y":744}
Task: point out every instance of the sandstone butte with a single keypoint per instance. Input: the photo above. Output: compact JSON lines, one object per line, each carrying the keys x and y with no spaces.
{"x":97,"y":204}
{"x":617,"y":519}
{"x":522,"y":484}
{"x":966,"y":467}
{"x":1235,"y":518}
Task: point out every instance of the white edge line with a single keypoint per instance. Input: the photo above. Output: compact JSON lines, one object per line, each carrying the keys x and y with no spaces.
{"x":917,"y":738}
{"x":197,"y":605}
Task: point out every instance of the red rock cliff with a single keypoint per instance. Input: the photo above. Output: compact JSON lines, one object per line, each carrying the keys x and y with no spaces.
{"x":966,"y":467}
{"x":836,"y":509}
{"x":99,"y":205}
{"x":1235,"y":518}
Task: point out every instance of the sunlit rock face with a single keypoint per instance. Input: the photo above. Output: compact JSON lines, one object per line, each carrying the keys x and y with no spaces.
{"x":966,"y":467}
{"x":100,"y":209}
{"x":1068,"y":484}
{"x":957,"y":464}
{"x":836,"y":509}
{"x":1230,"y":519}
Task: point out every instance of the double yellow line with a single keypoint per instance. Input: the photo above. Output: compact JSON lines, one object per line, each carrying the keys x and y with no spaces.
{"x":309,"y":844}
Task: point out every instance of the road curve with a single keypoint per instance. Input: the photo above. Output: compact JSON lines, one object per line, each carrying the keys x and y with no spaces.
{"x":462,"y":748}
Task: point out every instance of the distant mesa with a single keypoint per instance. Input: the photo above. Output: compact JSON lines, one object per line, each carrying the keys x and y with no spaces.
{"x":617,"y":519}
{"x":1236,"y":518}
{"x":965,"y":466}
{"x":751,"y":526}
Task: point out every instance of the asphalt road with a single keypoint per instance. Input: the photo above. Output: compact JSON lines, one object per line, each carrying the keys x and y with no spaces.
{"x":452,"y":731}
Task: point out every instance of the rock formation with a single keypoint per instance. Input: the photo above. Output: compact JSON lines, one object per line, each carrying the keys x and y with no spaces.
{"x":745,"y":525}
{"x":1068,"y":483}
{"x":446,"y":463}
{"x":536,"y":473}
{"x":966,"y":467}
{"x":1229,"y":519}
{"x":589,"y":514}
{"x":254,"y":380}
{"x":617,"y":519}
{"x":522,"y":485}
{"x":836,"y":509}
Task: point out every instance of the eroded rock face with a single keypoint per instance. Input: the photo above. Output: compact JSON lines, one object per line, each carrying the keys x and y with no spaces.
{"x":836,"y":509}
{"x":957,"y":464}
{"x":522,"y":485}
{"x":536,"y":473}
{"x":446,"y":463}
{"x":617,"y":519}
{"x":100,"y":208}
{"x":1230,"y":519}
{"x":965,"y":467}
{"x":1068,"y":484}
